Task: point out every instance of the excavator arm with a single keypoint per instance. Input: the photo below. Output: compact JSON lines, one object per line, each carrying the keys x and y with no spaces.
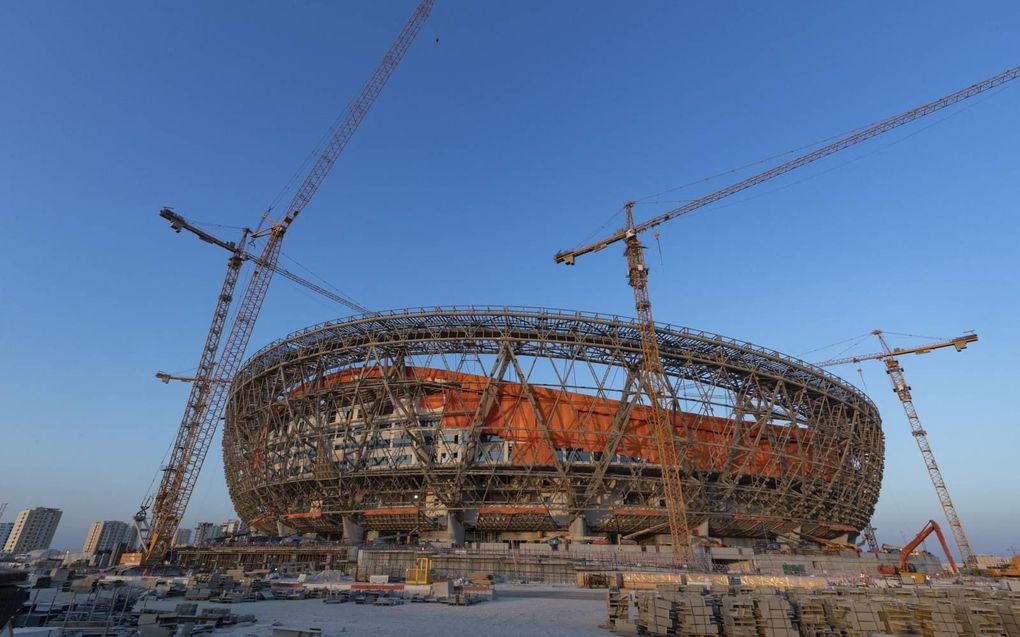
{"x":929,"y":528}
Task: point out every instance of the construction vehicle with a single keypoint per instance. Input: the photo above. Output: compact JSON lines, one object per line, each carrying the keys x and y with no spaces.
{"x":661,"y":396}
{"x":1013,"y":570}
{"x":208,"y":393}
{"x":928,"y":529}
{"x":797,"y":538}
{"x":899,"y":384}
{"x":829,"y":546}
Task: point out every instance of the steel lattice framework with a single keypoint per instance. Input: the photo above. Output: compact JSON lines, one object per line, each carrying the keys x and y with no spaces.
{"x":529,"y":419}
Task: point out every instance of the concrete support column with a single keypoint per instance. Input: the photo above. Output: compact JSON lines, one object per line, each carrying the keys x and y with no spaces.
{"x":353,"y":533}
{"x":454,"y":529}
{"x":578,"y":528}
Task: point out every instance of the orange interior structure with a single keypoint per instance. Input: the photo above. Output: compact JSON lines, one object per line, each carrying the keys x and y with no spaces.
{"x":583,"y":422}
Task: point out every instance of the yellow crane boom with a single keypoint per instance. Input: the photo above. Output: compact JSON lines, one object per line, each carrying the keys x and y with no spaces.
{"x":208,"y":395}
{"x":569,"y":256}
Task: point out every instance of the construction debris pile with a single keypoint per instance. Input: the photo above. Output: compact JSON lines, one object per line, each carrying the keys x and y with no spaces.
{"x":735,"y":611}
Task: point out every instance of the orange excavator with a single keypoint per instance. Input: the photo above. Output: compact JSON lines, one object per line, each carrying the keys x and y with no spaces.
{"x":929,"y":528}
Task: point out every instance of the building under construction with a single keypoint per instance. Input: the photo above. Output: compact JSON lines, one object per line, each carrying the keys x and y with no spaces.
{"x":494,"y":423}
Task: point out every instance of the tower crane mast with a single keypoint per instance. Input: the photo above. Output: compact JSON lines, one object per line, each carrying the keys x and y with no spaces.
{"x":658,"y":390}
{"x":655,"y":380}
{"x":208,"y":397}
{"x":888,"y":356}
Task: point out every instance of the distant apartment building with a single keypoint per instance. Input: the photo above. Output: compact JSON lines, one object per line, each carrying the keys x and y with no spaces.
{"x":182,"y":537}
{"x":231,"y":528}
{"x":108,"y":535}
{"x":33,"y":529}
{"x":204,"y":533}
{"x":107,"y":539}
{"x":5,"y":532}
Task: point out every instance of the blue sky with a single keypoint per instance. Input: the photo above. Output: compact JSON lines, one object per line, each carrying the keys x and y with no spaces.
{"x":519,"y":133}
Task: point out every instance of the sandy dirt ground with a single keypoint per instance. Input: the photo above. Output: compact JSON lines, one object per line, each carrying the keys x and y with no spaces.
{"x":560,"y":616}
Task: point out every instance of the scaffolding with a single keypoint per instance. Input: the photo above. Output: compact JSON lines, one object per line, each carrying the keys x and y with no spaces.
{"x":420,"y":420}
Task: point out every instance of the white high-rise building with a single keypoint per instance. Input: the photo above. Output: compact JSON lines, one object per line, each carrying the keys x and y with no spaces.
{"x":107,"y":536}
{"x":232,"y":527}
{"x":33,"y":530}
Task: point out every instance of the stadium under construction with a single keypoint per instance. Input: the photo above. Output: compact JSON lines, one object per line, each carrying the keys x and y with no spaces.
{"x":497,"y":424}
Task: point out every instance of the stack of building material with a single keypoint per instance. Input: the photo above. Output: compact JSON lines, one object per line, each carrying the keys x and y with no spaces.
{"x":696,"y":618}
{"x":935,"y":618}
{"x":619,"y":606}
{"x":626,"y":627}
{"x":738,"y":617}
{"x":897,"y":618}
{"x":773,"y":616}
{"x":662,"y":620}
{"x":980,"y":620}
{"x":1009,"y":612}
{"x":811,"y":616}
{"x":853,"y":617}
{"x":691,"y":613}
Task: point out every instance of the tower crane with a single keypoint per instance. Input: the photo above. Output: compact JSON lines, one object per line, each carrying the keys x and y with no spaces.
{"x":656,"y":385}
{"x":208,"y":396}
{"x":889,"y":356}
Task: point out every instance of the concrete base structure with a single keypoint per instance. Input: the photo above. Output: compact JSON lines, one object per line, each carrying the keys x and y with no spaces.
{"x":537,"y":562}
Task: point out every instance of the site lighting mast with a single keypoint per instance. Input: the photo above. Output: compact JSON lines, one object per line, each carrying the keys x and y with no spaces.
{"x":654,"y":380}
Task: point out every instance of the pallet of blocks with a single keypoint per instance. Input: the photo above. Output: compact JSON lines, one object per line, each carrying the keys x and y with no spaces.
{"x":738,"y":617}
{"x":626,"y":627}
{"x":853,"y":617}
{"x":646,"y":612}
{"x":694,"y":615}
{"x":1009,"y":612}
{"x":897,"y":618}
{"x":773,"y":616}
{"x":618,"y":604}
{"x":935,"y":618}
{"x":811,"y":617}
{"x":979,"y":620}
{"x":696,"y":618}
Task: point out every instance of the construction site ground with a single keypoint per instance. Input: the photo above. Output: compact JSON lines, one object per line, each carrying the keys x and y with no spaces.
{"x":522,"y":611}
